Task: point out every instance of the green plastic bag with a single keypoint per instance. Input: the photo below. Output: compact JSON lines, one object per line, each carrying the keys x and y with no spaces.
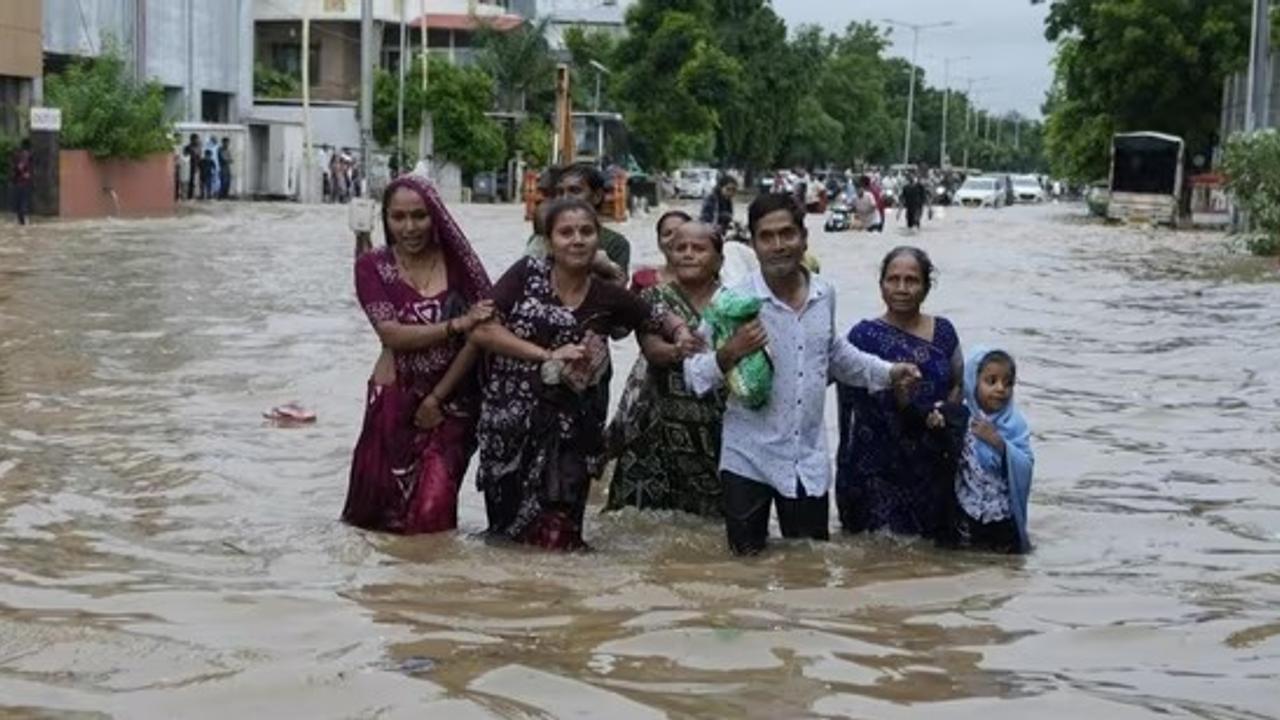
{"x":752,"y":380}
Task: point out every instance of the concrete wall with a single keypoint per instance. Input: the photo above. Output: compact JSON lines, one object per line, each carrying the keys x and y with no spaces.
{"x":194,"y":45}
{"x":21,"y":52}
{"x":334,"y":125}
{"x":1235,"y":100}
{"x":383,"y":10}
{"x":92,"y":188}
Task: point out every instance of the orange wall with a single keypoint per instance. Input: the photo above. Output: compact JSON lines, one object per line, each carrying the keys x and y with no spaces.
{"x":143,"y":187}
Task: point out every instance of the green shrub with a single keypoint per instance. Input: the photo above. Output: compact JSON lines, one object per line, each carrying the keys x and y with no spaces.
{"x":1252,"y":165}
{"x":271,"y":83}
{"x":107,"y":112}
{"x":8,"y":145}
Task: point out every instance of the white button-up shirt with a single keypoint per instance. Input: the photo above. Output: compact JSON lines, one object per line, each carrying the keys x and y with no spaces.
{"x":785,"y":441}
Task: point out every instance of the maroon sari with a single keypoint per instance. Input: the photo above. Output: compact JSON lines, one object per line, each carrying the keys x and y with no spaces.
{"x":405,"y":479}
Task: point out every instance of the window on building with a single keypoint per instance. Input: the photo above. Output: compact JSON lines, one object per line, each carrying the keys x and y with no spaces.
{"x":215,"y":107}
{"x":286,"y":58}
{"x":15,"y":102}
{"x":175,"y":101}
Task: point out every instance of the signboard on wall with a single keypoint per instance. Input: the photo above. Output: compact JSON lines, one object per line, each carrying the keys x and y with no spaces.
{"x":46,"y":119}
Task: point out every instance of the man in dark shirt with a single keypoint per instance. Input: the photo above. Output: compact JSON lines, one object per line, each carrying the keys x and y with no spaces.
{"x":20,"y":177}
{"x":585,"y":182}
{"x":914,"y":198}
{"x":224,"y":168}
{"x":194,"y":154}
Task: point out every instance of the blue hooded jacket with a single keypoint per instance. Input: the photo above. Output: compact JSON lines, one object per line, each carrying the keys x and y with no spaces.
{"x":1018,"y":462}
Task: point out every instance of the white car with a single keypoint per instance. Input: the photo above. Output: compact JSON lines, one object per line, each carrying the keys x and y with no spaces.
{"x":1027,"y":189}
{"x":981,"y":191}
{"x":695,"y":182}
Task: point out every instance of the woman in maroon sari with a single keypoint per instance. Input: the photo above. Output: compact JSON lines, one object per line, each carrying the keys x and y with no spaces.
{"x":546,"y":396}
{"x":422,"y":293}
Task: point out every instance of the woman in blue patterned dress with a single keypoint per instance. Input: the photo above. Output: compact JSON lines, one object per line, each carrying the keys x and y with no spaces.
{"x":888,"y":476}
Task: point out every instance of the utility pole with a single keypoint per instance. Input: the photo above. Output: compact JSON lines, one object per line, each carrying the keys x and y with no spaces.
{"x":308,"y":180}
{"x":403,"y":63}
{"x":1258,"y":97}
{"x":366,"y":85}
{"x":911,"y":88}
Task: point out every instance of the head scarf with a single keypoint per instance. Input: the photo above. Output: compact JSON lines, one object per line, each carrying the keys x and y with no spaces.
{"x":1018,"y":461}
{"x":466,"y":273}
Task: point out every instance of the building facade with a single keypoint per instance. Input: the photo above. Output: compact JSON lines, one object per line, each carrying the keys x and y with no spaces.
{"x":21,"y":61}
{"x":199,"y":50}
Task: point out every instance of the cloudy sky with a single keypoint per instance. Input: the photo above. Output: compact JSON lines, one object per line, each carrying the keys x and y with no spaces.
{"x":1003,"y":38}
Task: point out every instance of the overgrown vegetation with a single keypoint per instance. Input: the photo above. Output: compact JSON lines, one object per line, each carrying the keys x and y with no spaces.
{"x":8,"y":145}
{"x":1252,"y":165}
{"x":271,"y":83}
{"x":107,"y":112}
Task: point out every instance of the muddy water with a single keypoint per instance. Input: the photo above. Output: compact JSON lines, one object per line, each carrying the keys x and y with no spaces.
{"x":165,"y":553}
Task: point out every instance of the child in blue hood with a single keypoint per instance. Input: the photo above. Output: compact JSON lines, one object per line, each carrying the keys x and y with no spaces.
{"x":993,"y":481}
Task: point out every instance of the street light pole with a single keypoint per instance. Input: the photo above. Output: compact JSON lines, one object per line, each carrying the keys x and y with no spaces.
{"x":366,"y":85}
{"x":404,"y":61}
{"x":946,"y":100}
{"x":1257,"y":101}
{"x":911,"y":89}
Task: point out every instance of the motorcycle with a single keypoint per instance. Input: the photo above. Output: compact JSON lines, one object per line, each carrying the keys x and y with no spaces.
{"x":839,"y":218}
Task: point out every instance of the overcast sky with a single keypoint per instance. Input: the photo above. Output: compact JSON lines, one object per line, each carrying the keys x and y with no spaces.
{"x":1004,"y":38}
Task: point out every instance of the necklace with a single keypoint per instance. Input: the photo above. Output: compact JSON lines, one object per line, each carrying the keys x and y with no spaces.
{"x":412,"y":279}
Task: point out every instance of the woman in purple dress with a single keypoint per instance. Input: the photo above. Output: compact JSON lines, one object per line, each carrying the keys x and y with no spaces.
{"x":889,"y":473}
{"x":422,"y":293}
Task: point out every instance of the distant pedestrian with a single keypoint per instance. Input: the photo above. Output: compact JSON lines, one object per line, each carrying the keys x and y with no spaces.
{"x":914,"y":198}
{"x":215,"y":176}
{"x":194,"y":154}
{"x":21,"y":179}
{"x":224,"y":168}
{"x":207,"y":175}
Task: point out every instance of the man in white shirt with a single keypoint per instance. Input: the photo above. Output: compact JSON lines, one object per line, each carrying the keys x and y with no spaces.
{"x":777,"y":455}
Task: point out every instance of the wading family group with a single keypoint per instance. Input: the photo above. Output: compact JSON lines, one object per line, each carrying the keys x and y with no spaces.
{"x":515,"y":373}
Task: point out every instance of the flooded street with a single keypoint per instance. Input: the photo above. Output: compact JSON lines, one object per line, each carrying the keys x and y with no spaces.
{"x":164,"y":552}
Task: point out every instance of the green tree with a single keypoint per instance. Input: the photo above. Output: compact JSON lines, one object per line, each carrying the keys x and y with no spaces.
{"x":532,"y":138}
{"x":663,"y":36}
{"x":584,"y":48}
{"x":1252,"y":162}
{"x":752,"y":117}
{"x":1138,"y":65}
{"x":521,"y":65}
{"x":457,"y":99}
{"x":107,"y":112}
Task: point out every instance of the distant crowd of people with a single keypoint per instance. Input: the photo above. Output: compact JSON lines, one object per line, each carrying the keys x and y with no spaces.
{"x":342,"y":178}
{"x":203,"y":169}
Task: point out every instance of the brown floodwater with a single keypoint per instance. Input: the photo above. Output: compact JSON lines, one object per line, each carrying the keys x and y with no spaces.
{"x":165,"y":552}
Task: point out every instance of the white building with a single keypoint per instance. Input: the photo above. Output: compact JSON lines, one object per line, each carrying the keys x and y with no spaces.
{"x":200,"y":50}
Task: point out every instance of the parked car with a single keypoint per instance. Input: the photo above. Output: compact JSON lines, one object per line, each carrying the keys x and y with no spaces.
{"x":982,"y":191}
{"x":695,"y":182}
{"x":1027,"y":189}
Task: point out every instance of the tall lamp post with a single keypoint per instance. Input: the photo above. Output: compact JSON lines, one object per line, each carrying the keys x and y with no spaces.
{"x":1257,"y":99}
{"x":946,"y":100}
{"x":911,"y":91}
